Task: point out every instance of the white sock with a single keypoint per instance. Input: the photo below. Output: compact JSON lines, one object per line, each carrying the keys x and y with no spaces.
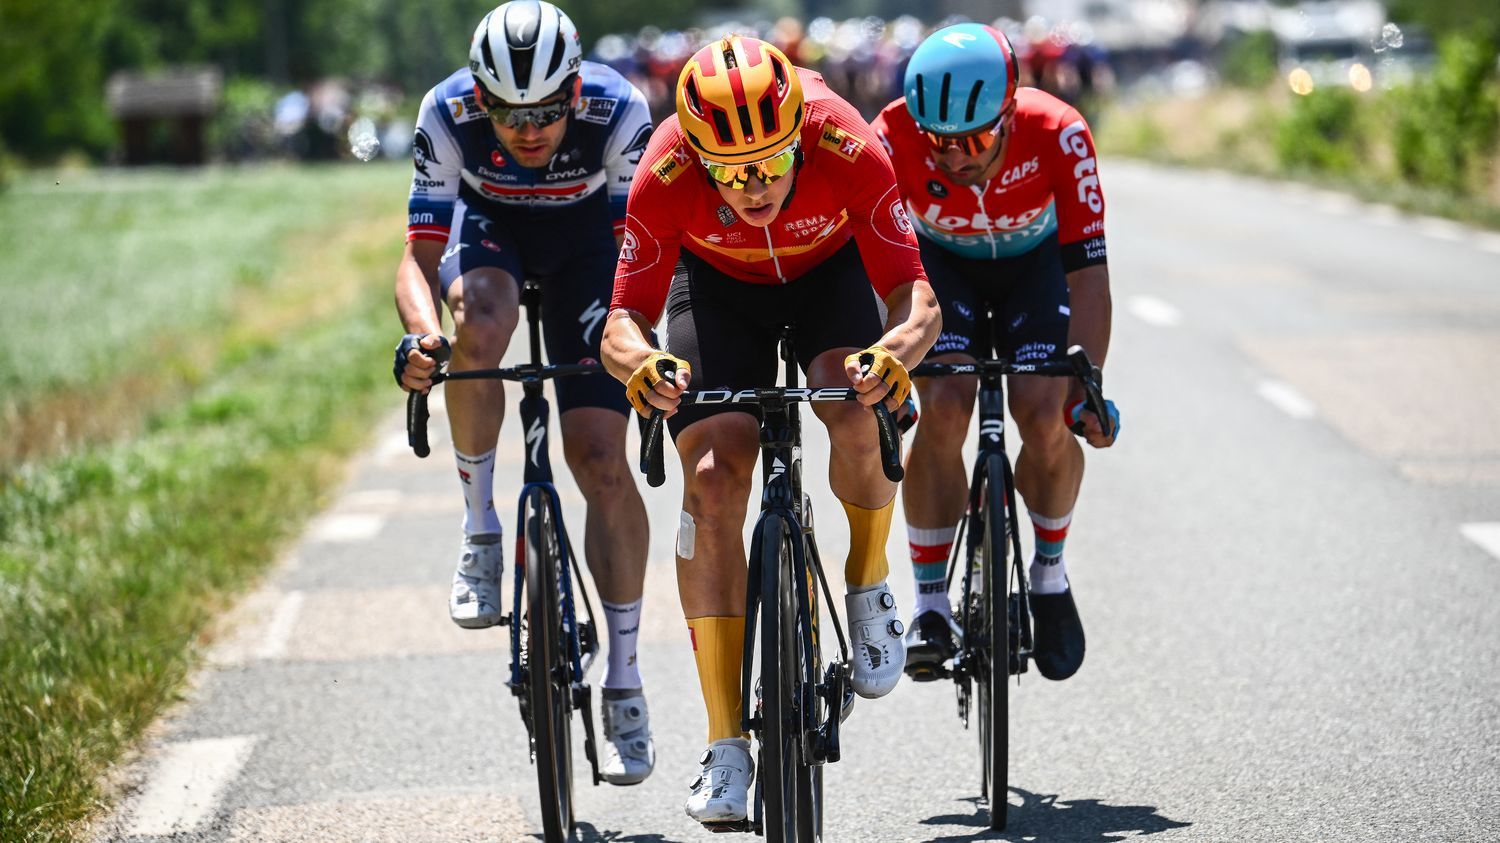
{"x":624,"y":624}
{"x":478,"y":477}
{"x":1048,"y":573}
{"x":929,"y":562}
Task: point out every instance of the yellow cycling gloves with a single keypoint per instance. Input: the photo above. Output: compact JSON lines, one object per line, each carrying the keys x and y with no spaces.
{"x":884,"y":365}
{"x":719,"y":649}
{"x":648,"y":375}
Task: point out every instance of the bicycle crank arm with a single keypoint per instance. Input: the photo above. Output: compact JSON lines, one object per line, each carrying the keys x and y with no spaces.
{"x":583,"y":701}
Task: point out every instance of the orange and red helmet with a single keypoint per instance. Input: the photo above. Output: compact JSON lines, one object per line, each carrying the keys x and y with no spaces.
{"x":739,"y":101}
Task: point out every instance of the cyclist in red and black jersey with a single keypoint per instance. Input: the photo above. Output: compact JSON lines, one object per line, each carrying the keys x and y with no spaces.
{"x":766,"y":201}
{"x":1004,"y":193}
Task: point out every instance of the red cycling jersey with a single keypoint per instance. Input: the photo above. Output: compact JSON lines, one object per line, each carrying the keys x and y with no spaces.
{"x":845,"y":188}
{"x":1049,"y":182}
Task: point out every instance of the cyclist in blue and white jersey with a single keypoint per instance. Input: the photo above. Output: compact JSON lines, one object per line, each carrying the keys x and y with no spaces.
{"x":523,"y":162}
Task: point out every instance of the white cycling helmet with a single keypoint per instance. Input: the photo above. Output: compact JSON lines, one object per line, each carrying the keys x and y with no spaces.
{"x":525,"y":51}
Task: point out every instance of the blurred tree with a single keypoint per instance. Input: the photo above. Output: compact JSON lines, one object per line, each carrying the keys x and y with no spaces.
{"x":1477,"y":18}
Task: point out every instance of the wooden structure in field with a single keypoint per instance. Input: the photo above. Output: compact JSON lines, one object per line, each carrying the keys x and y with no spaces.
{"x":163,"y":115}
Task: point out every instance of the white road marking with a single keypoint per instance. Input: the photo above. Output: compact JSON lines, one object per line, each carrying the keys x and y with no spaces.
{"x":351,"y":527}
{"x":1486,"y":536}
{"x":1383,"y":215}
{"x":279,"y":630}
{"x":1440,"y":229}
{"x":378,"y":500}
{"x":1287,"y":400}
{"x":1154,"y":311}
{"x":184,"y":788}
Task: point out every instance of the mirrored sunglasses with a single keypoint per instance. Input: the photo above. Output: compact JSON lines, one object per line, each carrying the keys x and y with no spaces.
{"x":736,"y":176}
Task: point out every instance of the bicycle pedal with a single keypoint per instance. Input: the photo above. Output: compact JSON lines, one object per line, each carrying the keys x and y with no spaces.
{"x":740,"y":826}
{"x":928,"y":673}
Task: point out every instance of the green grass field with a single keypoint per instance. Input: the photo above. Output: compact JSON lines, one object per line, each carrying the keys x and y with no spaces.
{"x":249,"y":312}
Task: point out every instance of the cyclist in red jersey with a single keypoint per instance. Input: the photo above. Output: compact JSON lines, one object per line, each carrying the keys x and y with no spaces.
{"x":766,"y":201}
{"x":1004,"y":193}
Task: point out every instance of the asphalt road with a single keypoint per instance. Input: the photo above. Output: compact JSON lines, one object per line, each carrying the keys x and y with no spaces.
{"x":1282,"y":568}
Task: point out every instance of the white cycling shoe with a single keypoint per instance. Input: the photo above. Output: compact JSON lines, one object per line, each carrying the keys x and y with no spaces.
{"x":721,"y":793}
{"x":475,"y":600}
{"x":629,"y":755}
{"x":875,"y":641}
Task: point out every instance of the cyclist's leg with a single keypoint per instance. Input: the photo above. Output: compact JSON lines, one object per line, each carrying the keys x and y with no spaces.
{"x":711,"y":324}
{"x":838,"y":316}
{"x":935,"y":496}
{"x":1049,"y":467}
{"x":478,"y":275}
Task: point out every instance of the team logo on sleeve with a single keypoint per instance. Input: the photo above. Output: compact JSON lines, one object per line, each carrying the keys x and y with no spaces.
{"x":673,"y":164}
{"x":465,"y":108}
{"x":421,"y":152}
{"x":596,"y":110}
{"x":846,"y":145}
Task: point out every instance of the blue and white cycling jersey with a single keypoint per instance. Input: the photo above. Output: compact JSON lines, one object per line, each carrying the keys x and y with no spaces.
{"x":457,"y":156}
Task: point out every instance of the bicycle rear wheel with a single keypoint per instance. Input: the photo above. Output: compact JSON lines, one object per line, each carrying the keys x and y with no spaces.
{"x":549,"y":682}
{"x":994,"y":662}
{"x":786,"y":782}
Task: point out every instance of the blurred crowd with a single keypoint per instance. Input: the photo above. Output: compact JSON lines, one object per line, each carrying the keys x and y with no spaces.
{"x":862,"y":58}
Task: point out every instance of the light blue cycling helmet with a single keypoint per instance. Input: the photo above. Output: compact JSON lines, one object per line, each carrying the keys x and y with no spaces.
{"x":960,"y":79}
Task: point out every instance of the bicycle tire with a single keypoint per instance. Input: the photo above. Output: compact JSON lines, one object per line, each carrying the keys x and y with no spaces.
{"x":783,"y":777}
{"x":994,"y":683}
{"x":549,"y":682}
{"x":816,"y":711}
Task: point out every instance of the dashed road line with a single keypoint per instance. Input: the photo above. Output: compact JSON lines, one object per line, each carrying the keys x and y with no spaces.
{"x":348,"y":527}
{"x":279,"y":630}
{"x":1486,"y":535}
{"x":185,"y":787}
{"x":1287,"y":399}
{"x":1154,"y":311}
{"x":1440,"y":229}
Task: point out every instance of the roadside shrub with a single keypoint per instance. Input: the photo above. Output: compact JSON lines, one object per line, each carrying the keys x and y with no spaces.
{"x":1323,"y":133}
{"x":1445,"y":124}
{"x":244,"y":127}
{"x":1250,"y":60}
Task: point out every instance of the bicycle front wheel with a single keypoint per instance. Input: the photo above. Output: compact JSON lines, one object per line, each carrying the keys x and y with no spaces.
{"x":786,"y":781}
{"x":994,"y":661}
{"x":549,"y":681}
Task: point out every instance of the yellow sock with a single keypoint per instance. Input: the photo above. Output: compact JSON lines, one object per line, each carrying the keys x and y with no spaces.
{"x":868,"y":530}
{"x":719,"y":649}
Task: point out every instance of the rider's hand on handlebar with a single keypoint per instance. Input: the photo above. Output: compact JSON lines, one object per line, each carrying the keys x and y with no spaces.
{"x":417,"y":359}
{"x":876,"y":374}
{"x":1084,"y":423}
{"x":658,"y":383}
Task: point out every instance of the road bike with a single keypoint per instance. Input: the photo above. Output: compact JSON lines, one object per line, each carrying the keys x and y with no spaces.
{"x":799,"y":702}
{"x":994,"y":611}
{"x":552,"y":650}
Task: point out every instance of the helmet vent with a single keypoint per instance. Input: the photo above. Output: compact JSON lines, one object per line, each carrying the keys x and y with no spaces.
{"x":943,"y":98}
{"x":921,"y":97}
{"x":520,"y":62}
{"x":489,"y":57}
{"x":557,"y":54}
{"x":730,"y":63}
{"x":721,"y":126}
{"x":768,"y":114}
{"x":973,"y":100}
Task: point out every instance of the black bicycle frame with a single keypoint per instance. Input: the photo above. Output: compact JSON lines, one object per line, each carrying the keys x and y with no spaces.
{"x":535,"y":411}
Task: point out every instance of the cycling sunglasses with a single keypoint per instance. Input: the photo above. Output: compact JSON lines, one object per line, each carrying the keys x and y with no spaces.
{"x":973,"y":143}
{"x":516,"y":116}
{"x":736,"y":176}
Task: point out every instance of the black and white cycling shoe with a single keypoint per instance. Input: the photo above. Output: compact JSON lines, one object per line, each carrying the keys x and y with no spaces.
{"x":629,"y":755}
{"x":721,"y":793}
{"x":875,"y":642}
{"x":475,"y":600}
{"x":929,"y":645}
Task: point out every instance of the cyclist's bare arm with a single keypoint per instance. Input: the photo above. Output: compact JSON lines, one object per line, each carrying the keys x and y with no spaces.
{"x":913,"y":325}
{"x":417,"y":305}
{"x":1089,"y":326}
{"x":624,"y":348}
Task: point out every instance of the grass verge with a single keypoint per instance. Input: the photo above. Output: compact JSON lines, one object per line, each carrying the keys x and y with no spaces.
{"x":114,"y":557}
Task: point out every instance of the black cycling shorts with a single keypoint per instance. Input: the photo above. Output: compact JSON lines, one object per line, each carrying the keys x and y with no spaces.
{"x":572,"y":255}
{"x":1028,"y":294}
{"x":728,"y":329}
